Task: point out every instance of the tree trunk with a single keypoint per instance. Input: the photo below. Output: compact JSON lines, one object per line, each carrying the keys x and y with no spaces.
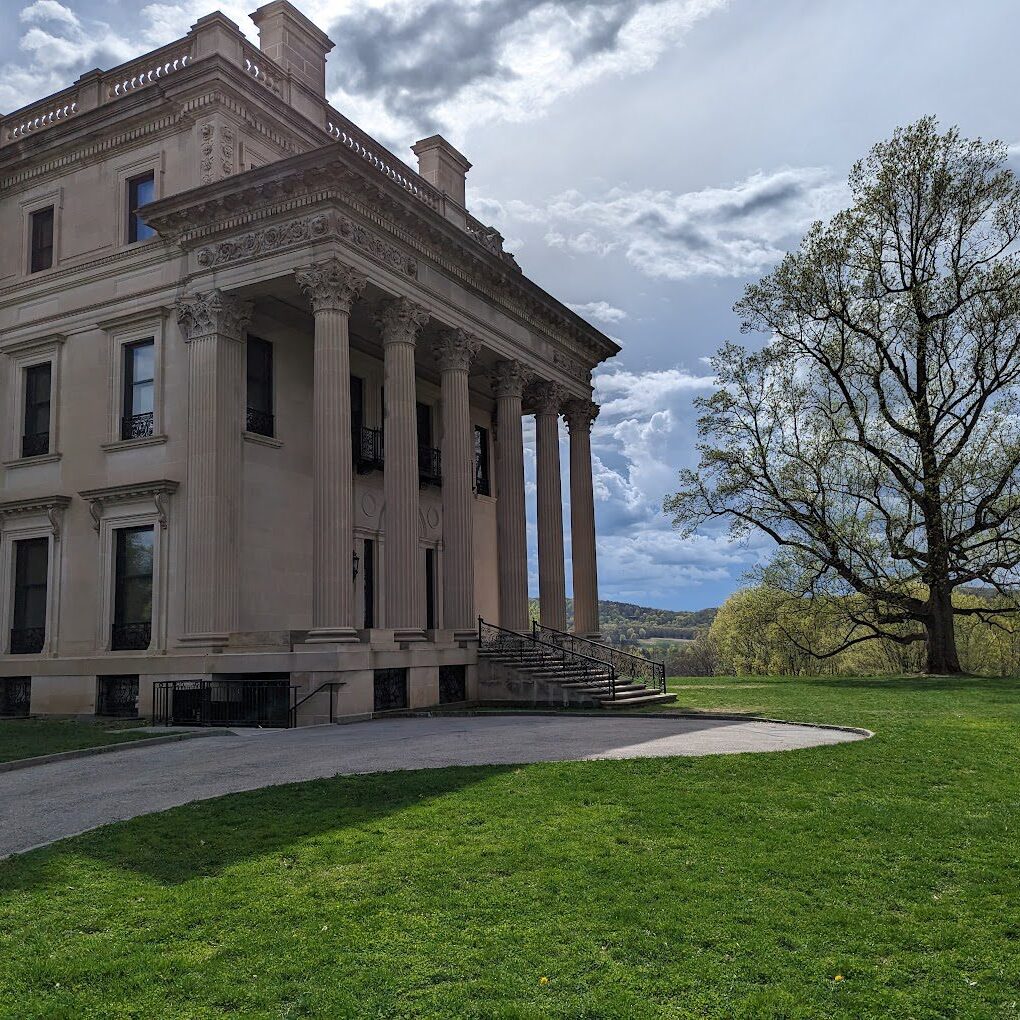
{"x":943,"y":659}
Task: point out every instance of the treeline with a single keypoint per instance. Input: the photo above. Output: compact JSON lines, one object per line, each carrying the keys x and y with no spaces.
{"x":763,"y":632}
{"x":623,"y":623}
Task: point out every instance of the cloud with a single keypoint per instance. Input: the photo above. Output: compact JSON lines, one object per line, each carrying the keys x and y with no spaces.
{"x":628,"y":393}
{"x":601,"y":311}
{"x":733,"y":231}
{"x":447,"y":65}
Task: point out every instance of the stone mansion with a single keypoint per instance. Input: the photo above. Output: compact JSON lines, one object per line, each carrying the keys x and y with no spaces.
{"x":263,"y":388}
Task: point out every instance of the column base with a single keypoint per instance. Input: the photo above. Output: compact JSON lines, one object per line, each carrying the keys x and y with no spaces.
{"x":409,"y":634}
{"x":332,"y":636}
{"x":214,"y":641}
{"x":465,"y":634}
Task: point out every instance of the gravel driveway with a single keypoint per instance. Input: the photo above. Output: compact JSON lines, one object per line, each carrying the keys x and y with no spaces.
{"x":48,"y":802}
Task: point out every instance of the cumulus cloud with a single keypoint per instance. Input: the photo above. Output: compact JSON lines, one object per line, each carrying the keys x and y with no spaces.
{"x":600,"y":311}
{"x":732,"y":231}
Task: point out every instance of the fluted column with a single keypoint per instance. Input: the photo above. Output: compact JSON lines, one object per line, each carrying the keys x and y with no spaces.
{"x":404,"y":567}
{"x":545,"y":398}
{"x":580,"y":414}
{"x":332,"y":288}
{"x":508,"y":383}
{"x":214,"y":328}
{"x":455,"y":351}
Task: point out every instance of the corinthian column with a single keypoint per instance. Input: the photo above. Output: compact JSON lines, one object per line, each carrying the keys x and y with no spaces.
{"x":455,"y":351}
{"x":546,"y":398}
{"x":332,"y":288}
{"x":404,"y":567}
{"x":214,"y":327}
{"x":508,"y":382}
{"x":580,"y":415}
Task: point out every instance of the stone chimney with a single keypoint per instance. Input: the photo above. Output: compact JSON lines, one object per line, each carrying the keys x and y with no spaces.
{"x":442,"y":166}
{"x":294,"y":42}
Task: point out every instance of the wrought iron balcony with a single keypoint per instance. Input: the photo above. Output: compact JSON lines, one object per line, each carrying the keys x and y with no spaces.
{"x":35,"y":446}
{"x":27,"y":640}
{"x":429,"y":466}
{"x":130,"y":637}
{"x":261,"y":423}
{"x":368,"y":450}
{"x":136,"y":426}
{"x":482,"y":486}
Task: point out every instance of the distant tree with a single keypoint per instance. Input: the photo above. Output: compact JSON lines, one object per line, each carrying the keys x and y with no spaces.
{"x":876,"y":437}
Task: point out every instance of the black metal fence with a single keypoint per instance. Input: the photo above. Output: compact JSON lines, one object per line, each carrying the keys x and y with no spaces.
{"x":368,"y":449}
{"x":430,"y":466}
{"x":268,"y":702}
{"x":117,"y":696}
{"x":15,"y":696}
{"x":637,"y":668}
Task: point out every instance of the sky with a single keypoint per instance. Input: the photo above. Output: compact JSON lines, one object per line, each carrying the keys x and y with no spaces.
{"x":645,"y":160}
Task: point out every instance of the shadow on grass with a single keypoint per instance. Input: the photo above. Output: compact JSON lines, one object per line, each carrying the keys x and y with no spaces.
{"x":898,"y":684}
{"x":204,"y":838}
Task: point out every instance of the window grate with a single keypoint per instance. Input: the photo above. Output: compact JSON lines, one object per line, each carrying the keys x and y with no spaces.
{"x":390,"y":689}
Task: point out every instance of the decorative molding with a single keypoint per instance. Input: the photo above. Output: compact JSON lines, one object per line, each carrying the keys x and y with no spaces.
{"x":400,"y":321}
{"x":572,"y":367}
{"x":545,"y":397}
{"x":509,"y":379}
{"x":214,"y":314}
{"x":158,"y":491}
{"x":580,"y":414}
{"x":265,"y":241}
{"x":455,"y":350}
{"x":388,"y":254}
{"x":52,"y":506}
{"x":330,"y":285}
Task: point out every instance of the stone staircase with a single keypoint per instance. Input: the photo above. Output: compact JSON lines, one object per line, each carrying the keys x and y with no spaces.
{"x":547,"y":668}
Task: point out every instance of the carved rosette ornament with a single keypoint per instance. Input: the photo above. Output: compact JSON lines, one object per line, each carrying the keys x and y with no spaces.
{"x":331,"y":286}
{"x":509,"y":379}
{"x":400,"y":321}
{"x":545,"y":397}
{"x":455,"y":350}
{"x":580,"y":414}
{"x":214,"y":314}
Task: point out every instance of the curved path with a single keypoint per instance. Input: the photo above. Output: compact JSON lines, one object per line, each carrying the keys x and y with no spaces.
{"x":48,"y":802}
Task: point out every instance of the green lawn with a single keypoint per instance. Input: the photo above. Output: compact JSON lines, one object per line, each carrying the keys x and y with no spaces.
{"x":716,"y":887}
{"x":27,"y":738}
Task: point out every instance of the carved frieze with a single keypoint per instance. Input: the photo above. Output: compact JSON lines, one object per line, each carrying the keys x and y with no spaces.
{"x":264,"y":242}
{"x":388,"y":254}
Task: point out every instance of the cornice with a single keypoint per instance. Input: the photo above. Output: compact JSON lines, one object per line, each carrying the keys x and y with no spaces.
{"x":196,"y":218}
{"x":157,"y":490}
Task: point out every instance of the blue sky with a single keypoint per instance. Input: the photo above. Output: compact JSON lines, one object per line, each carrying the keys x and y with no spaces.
{"x":645,"y":159}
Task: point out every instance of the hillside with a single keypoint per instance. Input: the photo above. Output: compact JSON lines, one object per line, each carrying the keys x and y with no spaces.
{"x":625,"y":623}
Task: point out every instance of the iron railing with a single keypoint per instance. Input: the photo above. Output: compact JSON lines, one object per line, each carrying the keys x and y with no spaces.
{"x":259,"y":423}
{"x":224,"y":703}
{"x":430,"y":466}
{"x":137,"y":426}
{"x":531,"y":650}
{"x":330,"y":685}
{"x":35,"y":445}
{"x":130,"y":637}
{"x":27,"y":640}
{"x":368,"y":449}
{"x":15,"y":696}
{"x":637,"y":668}
{"x":117,"y":696}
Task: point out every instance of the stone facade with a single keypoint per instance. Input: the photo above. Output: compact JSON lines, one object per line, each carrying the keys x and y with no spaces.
{"x":371,"y":507}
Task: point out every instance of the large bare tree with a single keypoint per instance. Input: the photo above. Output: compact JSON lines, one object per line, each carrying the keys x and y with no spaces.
{"x":876,"y":436}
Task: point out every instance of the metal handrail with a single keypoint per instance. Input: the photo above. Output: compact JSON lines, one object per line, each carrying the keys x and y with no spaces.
{"x":531,"y":641}
{"x":331,"y":684}
{"x":654,"y":671}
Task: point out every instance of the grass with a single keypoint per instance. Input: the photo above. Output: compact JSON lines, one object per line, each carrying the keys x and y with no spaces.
{"x":736,"y":886}
{"x":27,"y":738}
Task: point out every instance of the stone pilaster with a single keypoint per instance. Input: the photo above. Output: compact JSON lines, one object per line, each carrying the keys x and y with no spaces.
{"x":332,"y":288}
{"x":213,"y":326}
{"x":400,"y":321}
{"x":580,"y":414}
{"x":546,"y":398}
{"x":455,"y":352}
{"x":508,"y":381}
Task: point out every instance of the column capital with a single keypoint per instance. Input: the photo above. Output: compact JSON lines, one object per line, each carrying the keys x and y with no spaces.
{"x":330,"y":285}
{"x":509,"y":379}
{"x":580,"y":414}
{"x":214,"y":314}
{"x":456,"y":349}
{"x":545,"y":397}
{"x":400,"y":320}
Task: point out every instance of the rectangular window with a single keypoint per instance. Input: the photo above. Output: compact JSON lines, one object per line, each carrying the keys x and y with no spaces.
{"x":15,"y":696}
{"x":368,"y":572}
{"x":430,"y":589}
{"x":424,"y":425}
{"x":452,"y":684}
{"x":42,"y":239}
{"x":35,"y":439}
{"x":31,"y":571}
{"x":141,"y":191}
{"x":117,"y":696}
{"x":139,"y":389}
{"x":390,"y":689}
{"x":260,"y":387}
{"x":132,"y":602}
{"x":482,"y":485}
